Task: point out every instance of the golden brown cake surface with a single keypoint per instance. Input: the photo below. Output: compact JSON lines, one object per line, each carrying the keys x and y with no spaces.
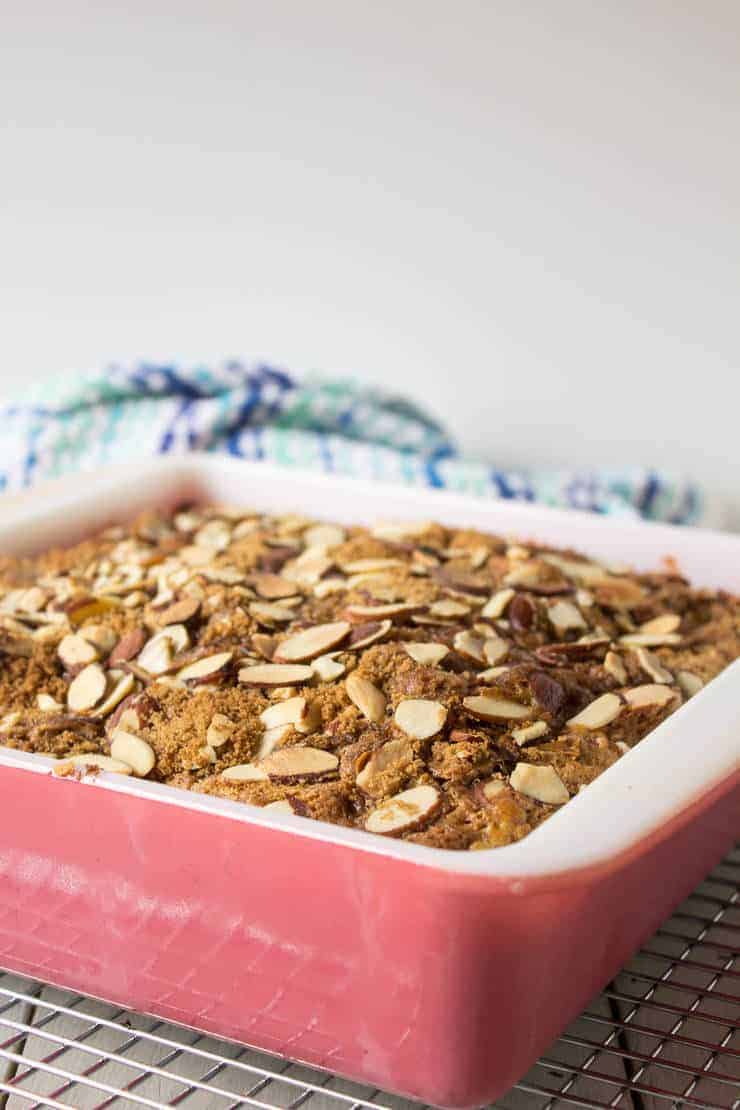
{"x":445,"y":686}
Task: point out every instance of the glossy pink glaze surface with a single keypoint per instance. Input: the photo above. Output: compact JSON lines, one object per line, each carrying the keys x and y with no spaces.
{"x":438,"y":985}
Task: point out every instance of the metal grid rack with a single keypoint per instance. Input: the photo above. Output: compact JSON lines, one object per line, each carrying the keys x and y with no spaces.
{"x":664,"y":1034}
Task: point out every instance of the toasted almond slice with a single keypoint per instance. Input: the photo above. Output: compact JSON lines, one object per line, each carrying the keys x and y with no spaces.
{"x":369,"y":632}
{"x":530,"y":732}
{"x":640,"y":697}
{"x":650,"y":639}
{"x":216,"y":535}
{"x":288,"y":764}
{"x":492,"y":788}
{"x":74,"y":650}
{"x":123,"y":684}
{"x":129,"y":646}
{"x":614,"y":666}
{"x":309,"y":568}
{"x":564,"y":616}
{"x":275,"y":674}
{"x":273,"y":587}
{"x":282,"y":805}
{"x":203,"y":670}
{"x":327,"y":668}
{"x":394,"y":753}
{"x":368,"y":566}
{"x":220,"y":730}
{"x":180,"y":612}
{"x":469,"y":646}
{"x":420,"y":718}
{"x":395,"y":532}
{"x":94,"y":762}
{"x":312,"y":642}
{"x":133,"y":750}
{"x":244,"y":772}
{"x":330,"y":585}
{"x":690,"y":683}
{"x":370,"y":701}
{"x":541,"y":783}
{"x":404,"y":812}
{"x":48,"y":704}
{"x":156,"y":656}
{"x":491,"y":708}
{"x":100,"y":636}
{"x":448,"y":609}
{"x":293,"y":711}
{"x":652,"y":666}
{"x":324,"y":535}
{"x":86,"y":690}
{"x":663,"y":625}
{"x":271,"y":739}
{"x":495,"y":607}
{"x":381,"y":612}
{"x":491,"y":673}
{"x":586,"y":573}
{"x":269,"y":612}
{"x":598,"y":713}
{"x":426,"y":654}
{"x":495,"y":650}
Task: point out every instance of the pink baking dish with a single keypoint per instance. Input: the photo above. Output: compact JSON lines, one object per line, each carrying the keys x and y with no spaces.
{"x":439,"y":975}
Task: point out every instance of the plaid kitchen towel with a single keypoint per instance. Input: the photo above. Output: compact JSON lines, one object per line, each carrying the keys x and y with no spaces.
{"x":256,"y":412}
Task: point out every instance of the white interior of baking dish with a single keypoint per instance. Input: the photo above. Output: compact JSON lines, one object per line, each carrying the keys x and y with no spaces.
{"x":690,"y":753}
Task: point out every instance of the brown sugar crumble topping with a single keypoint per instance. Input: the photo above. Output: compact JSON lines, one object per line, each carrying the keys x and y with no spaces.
{"x":444,"y":686}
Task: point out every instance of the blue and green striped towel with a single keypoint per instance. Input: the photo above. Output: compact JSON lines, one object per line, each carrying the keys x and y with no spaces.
{"x":255,"y":412}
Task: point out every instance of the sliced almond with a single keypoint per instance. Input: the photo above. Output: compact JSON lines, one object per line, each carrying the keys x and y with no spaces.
{"x":614,"y":666}
{"x":47,"y":704}
{"x":565,"y":616}
{"x":397,"y":532}
{"x":495,"y":650}
{"x":312,"y":642}
{"x":216,"y":535}
{"x":272,"y":738}
{"x":220,"y":730}
{"x":650,"y":639}
{"x":180,"y":612}
{"x":327,"y":668}
{"x":652,"y":666}
{"x":121,"y":686}
{"x":282,"y":805}
{"x":74,"y":651}
{"x":381,"y":612}
{"x":469,"y":646}
{"x":204,"y":670}
{"x":404,"y":812}
{"x":652,"y":694}
{"x":86,"y":690}
{"x":495,"y":607}
{"x":598,"y":713}
{"x":541,"y":783}
{"x":324,"y":535}
{"x":493,"y":788}
{"x":92,"y":762}
{"x":290,"y":764}
{"x":448,"y":609}
{"x":329,"y":586}
{"x":275,"y":674}
{"x":491,"y":674}
{"x":370,"y":701}
{"x":100,"y":636}
{"x":395,"y":753}
{"x":369,"y":566}
{"x":530,"y":732}
{"x":690,"y":683}
{"x":156,"y":656}
{"x":293,"y":711}
{"x":244,"y":772}
{"x":130,"y":645}
{"x":273,"y":587}
{"x":133,"y":750}
{"x":420,"y":718}
{"x":490,"y":708}
{"x":269,"y":612}
{"x":663,"y":625}
{"x":586,"y":573}
{"x":426,"y":654}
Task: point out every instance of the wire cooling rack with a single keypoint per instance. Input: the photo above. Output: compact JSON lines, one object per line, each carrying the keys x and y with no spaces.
{"x":664,"y":1034}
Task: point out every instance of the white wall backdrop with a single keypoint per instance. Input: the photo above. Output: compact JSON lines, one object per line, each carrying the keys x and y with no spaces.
{"x":526,"y":214}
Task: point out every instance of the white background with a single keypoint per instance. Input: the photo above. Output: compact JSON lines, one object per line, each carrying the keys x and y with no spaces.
{"x":524,"y":214}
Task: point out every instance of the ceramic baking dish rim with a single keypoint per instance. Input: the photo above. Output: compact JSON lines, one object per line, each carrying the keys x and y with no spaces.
{"x":629,"y":803}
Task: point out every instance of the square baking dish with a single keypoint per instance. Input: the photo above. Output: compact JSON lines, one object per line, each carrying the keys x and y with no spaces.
{"x":440,"y":975}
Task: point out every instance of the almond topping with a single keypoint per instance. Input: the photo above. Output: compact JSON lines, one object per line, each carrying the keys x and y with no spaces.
{"x":652,"y":665}
{"x":220,"y":730}
{"x":420,"y":718}
{"x":490,"y":708}
{"x":275,"y":674}
{"x":564,"y":615}
{"x":447,"y":609}
{"x":94,"y":762}
{"x":598,"y":713}
{"x":369,"y":566}
{"x":495,"y":607}
{"x":493,"y":788}
{"x":293,"y":711}
{"x":244,"y":772}
{"x":299,"y":763}
{"x":282,"y":805}
{"x":427,"y":654}
{"x":132,"y":750}
{"x":122,"y":686}
{"x":640,"y":697}
{"x":530,"y":732}
{"x":406,"y":811}
{"x":469,"y":646}
{"x":495,"y":650}
{"x":128,"y":647}
{"x":47,"y":704}
{"x":394,"y":753}
{"x":86,"y":690}
{"x":269,"y":612}
{"x":380,"y":612}
{"x":362,"y":635}
{"x":204,"y":669}
{"x":328,"y":668}
{"x":324,"y":535}
{"x":370,"y":701}
{"x":541,"y":783}
{"x":662,"y":625}
{"x":650,"y":639}
{"x":272,"y":738}
{"x":273,"y":587}
{"x":312,"y":642}
{"x":156,"y":656}
{"x":690,"y":683}
{"x":614,"y":666}
{"x":74,"y":650}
